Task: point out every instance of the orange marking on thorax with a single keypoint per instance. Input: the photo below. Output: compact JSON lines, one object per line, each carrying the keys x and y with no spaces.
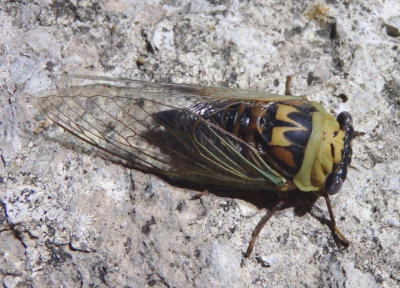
{"x":256,"y":113}
{"x":284,"y":155}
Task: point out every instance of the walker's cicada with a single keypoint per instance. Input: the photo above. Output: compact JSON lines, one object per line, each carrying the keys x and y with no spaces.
{"x":214,"y":136}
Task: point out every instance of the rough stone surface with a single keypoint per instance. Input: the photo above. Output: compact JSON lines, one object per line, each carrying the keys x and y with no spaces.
{"x":69,"y":218}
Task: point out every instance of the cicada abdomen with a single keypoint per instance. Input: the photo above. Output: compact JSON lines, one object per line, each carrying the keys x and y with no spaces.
{"x":212,"y":136}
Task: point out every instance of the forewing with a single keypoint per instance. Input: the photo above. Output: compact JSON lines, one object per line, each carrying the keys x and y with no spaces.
{"x":188,"y":90}
{"x":152,"y":127}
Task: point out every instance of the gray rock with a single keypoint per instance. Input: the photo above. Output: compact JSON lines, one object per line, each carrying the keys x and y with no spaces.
{"x":69,"y":217}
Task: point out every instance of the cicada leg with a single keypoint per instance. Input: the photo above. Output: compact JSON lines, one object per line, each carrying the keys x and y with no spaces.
{"x":287,"y":86}
{"x":332,"y":223}
{"x":199,"y":195}
{"x":358,"y":134}
{"x":260,"y":225}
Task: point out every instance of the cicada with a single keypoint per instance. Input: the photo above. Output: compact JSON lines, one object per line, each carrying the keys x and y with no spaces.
{"x":211,"y":136}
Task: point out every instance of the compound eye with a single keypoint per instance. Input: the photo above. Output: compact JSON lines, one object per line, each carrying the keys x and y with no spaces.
{"x":344,"y":119}
{"x":333,"y":184}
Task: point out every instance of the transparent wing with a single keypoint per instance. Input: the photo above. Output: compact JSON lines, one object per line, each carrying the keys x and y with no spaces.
{"x":152,"y":127}
{"x":182,"y":89}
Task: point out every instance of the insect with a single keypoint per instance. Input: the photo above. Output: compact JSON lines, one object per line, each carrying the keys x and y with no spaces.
{"x":212,"y":136}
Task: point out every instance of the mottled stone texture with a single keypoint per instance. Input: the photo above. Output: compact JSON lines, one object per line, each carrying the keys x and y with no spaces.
{"x":70,"y":218}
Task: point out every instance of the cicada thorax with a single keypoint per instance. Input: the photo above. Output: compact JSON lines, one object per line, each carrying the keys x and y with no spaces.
{"x":296,"y":137}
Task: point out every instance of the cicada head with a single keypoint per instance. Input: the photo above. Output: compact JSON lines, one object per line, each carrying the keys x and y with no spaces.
{"x":335,"y":179}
